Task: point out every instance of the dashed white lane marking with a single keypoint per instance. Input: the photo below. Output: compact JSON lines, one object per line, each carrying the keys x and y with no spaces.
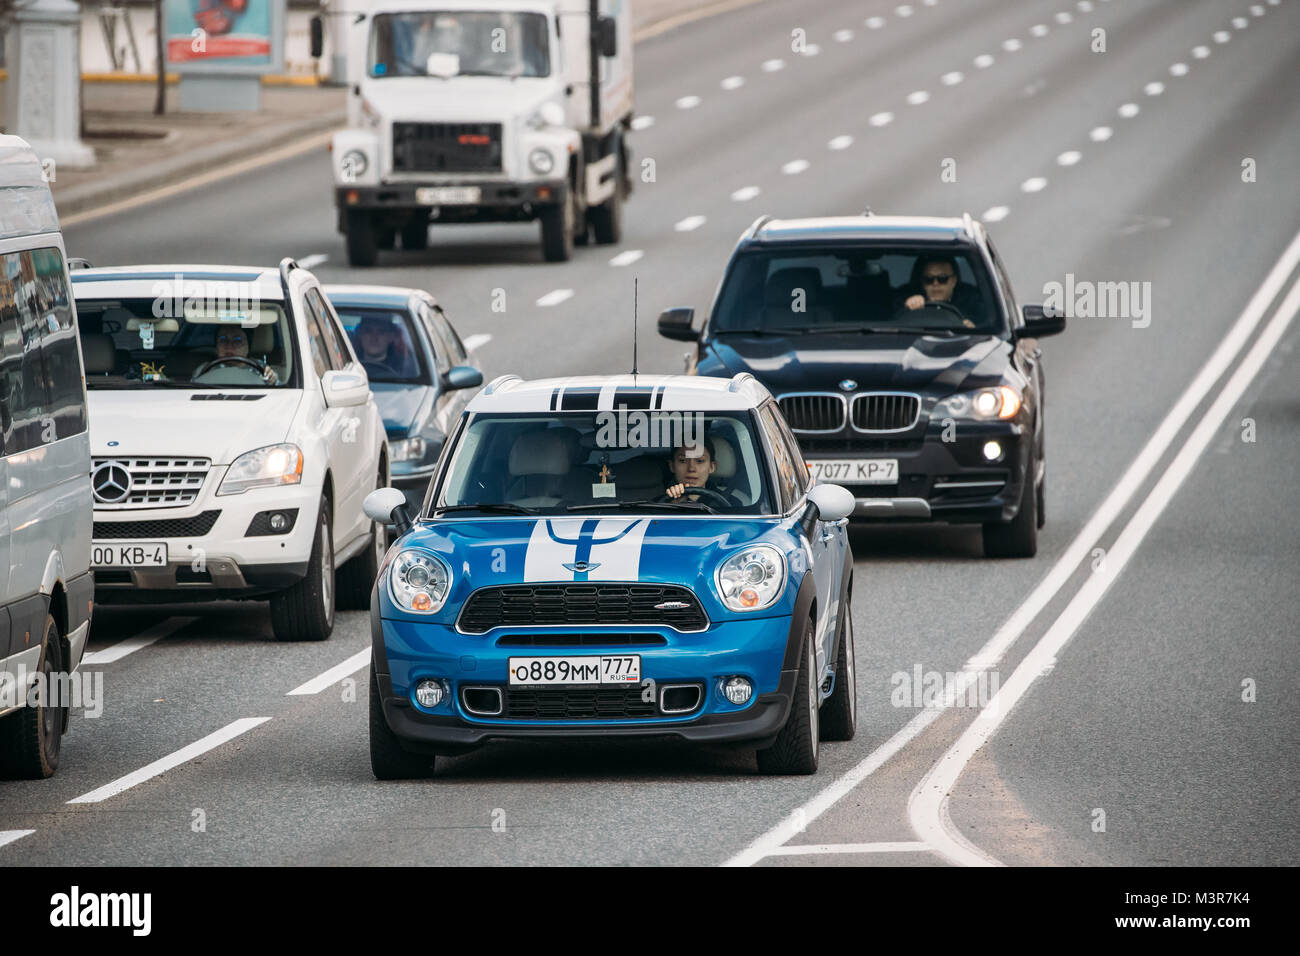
{"x":881,"y":119}
{"x":115,"y":652}
{"x":1240,"y":23}
{"x":1035,"y":184}
{"x":476,"y":341}
{"x":1222,"y":36}
{"x":995,"y":213}
{"x":917,"y":97}
{"x":313,"y":260}
{"x":903,"y":11}
{"x":873,"y":23}
{"x":9,"y":836}
{"x":687,"y":102}
{"x":812,"y":49}
{"x":952,"y":79}
{"x":1039,"y":30}
{"x":626,"y":258}
{"x":1200,"y":52}
{"x":1154,"y":88}
{"x":690,"y":224}
{"x":795,"y":167}
{"x":335,"y":674}
{"x":555,"y":297}
{"x":643,"y":122}
{"x":1256,"y":10}
{"x":1100,"y":134}
{"x":732,"y":83}
{"x":983,"y":61}
{"x":840,"y":142}
{"x":842,"y":36}
{"x":807,"y":849}
{"x":1129,"y":110}
{"x":745,"y":193}
{"x":772,"y":66}
{"x":1064,"y":17}
{"x":1069,"y":157}
{"x":1085,"y":6}
{"x":171,"y":761}
{"x":1011,"y":45}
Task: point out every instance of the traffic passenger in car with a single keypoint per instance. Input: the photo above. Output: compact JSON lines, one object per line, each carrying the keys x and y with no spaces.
{"x":935,"y":279}
{"x":233,"y":343}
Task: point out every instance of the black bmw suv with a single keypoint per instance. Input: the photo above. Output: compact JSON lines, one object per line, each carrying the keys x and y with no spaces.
{"x":901,"y":361}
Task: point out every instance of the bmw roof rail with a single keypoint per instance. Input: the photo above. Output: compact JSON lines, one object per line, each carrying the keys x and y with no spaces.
{"x":500,"y":380}
{"x":76,"y":262}
{"x":739,"y":380}
{"x":968,"y":225}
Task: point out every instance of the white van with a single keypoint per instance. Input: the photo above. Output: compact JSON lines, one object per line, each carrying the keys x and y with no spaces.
{"x":46,"y":588}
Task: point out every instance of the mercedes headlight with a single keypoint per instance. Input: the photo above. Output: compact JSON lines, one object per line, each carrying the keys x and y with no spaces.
{"x":752,"y":579}
{"x":263,"y":468}
{"x":418,"y":581}
{"x":407,"y":449}
{"x":541,"y":162}
{"x":984,"y":404}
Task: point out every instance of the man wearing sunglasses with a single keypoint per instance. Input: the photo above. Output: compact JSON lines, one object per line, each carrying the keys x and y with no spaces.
{"x":940,"y":282}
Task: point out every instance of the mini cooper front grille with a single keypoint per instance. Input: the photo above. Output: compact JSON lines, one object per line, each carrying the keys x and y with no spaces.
{"x":885,"y":411}
{"x":582,"y":640}
{"x":566,"y":605}
{"x":446,"y":147}
{"x":577,"y":703}
{"x":123,"y":483}
{"x":813,"y":411}
{"x":194,"y":527}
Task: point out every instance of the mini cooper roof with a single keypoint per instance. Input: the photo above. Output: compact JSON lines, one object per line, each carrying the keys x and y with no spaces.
{"x":137,"y":282}
{"x":866,"y":227}
{"x":681,"y":393}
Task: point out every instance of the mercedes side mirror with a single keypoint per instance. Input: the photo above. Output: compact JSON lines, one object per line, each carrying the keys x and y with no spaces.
{"x":677,"y":324}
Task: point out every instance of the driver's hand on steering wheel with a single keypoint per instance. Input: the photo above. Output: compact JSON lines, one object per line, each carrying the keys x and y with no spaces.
{"x":675,"y":491}
{"x":269,"y":376}
{"x":914,"y":301}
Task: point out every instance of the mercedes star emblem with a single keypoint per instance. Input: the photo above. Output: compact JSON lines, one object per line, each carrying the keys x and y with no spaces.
{"x":111,"y":482}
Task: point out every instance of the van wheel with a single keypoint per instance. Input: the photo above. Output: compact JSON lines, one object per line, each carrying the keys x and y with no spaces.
{"x":356,"y":578}
{"x":795,"y":749}
{"x":415,"y":234}
{"x":30,"y":739}
{"x":1019,"y":537}
{"x":839,"y":716}
{"x":305,"y":611}
{"x":362,"y":240}
{"x":558,"y":225}
{"x":388,"y":761}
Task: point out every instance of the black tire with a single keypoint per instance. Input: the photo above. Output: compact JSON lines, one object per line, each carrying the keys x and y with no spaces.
{"x":388,"y":761}
{"x":839,"y":716}
{"x":30,"y":738}
{"x":1017,"y":538}
{"x":1041,"y":502}
{"x":415,"y":233}
{"x":362,"y":241}
{"x":558,"y":226}
{"x":795,"y":749}
{"x":354,"y":581}
{"x":607,"y":219}
{"x":305,"y":611}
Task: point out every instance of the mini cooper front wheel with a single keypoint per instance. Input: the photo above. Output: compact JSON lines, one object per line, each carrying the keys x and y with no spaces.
{"x":305,"y":611}
{"x":388,"y":761}
{"x":795,"y":749}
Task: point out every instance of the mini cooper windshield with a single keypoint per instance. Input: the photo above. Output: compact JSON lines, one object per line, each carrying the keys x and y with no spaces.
{"x":193,"y":343}
{"x":607,"y":462}
{"x":866,"y":289}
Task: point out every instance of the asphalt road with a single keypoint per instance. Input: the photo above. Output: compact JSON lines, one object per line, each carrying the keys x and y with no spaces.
{"x":1123,"y":165}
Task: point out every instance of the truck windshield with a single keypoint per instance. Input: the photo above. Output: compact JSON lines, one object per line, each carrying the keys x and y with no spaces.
{"x":460,"y":43}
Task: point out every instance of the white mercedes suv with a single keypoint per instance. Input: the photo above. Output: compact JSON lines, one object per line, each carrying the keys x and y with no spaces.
{"x":234,"y":438}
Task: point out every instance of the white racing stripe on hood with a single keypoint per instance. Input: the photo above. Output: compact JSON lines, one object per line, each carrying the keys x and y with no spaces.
{"x":613,"y":550}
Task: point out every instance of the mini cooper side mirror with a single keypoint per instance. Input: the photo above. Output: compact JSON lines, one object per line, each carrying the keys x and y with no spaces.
{"x":832,"y":502}
{"x":464,"y":376}
{"x":676,"y":324}
{"x":388,"y":506}
{"x":1040,"y":321}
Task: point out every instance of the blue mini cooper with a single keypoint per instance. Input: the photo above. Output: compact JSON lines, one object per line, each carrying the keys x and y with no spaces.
{"x":632,"y":556}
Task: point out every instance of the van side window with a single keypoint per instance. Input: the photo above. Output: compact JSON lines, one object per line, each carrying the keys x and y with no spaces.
{"x":40,"y":365}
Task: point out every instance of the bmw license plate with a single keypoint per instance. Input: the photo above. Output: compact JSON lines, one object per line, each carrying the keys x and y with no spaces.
{"x":614,"y":669}
{"x":141,"y":554}
{"x":448,"y":195}
{"x":856,"y":471}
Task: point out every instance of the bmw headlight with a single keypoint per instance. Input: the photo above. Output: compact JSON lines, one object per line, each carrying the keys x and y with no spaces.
{"x":263,"y":468}
{"x":984,"y":404}
{"x":407,"y":449}
{"x":541,"y":162}
{"x":752,"y":579}
{"x":419,"y":581}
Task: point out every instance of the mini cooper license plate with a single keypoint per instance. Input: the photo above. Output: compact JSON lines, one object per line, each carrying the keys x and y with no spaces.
{"x":613,"y":669}
{"x":448,"y":195}
{"x":142,"y":554}
{"x":856,"y":471}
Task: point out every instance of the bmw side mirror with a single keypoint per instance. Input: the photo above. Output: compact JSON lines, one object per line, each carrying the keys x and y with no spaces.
{"x":464,"y":376}
{"x":388,"y":506}
{"x":317,"y":37}
{"x":1039,"y":322}
{"x":677,"y":324}
{"x":832,"y":502}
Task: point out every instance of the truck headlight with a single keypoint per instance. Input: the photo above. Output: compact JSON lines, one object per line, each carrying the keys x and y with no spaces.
{"x":541,"y":162}
{"x":353,"y":165}
{"x":407,"y":449}
{"x":752,"y":579}
{"x":263,"y":468}
{"x":419,"y":581}
{"x":984,"y":404}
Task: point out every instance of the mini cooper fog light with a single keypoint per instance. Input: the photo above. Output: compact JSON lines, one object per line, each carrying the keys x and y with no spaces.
{"x":992,"y":450}
{"x":738,"y":690}
{"x":430,"y":693}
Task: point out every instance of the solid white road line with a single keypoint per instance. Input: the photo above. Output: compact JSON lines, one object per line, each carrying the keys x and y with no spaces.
{"x":332,"y":676}
{"x":313,"y":260}
{"x":805,"y":849}
{"x":555,"y":297}
{"x":115,"y":652}
{"x":171,"y":761}
{"x":928,"y":805}
{"x":475,"y":342}
{"x":9,"y":836}
{"x":626,"y":257}
{"x":1079,"y":549}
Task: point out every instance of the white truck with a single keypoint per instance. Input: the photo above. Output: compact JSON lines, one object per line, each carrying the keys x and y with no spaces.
{"x":483,"y":111}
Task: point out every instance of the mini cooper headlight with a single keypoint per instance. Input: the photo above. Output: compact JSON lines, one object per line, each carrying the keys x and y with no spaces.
{"x":262,"y":468}
{"x":419,"y":581}
{"x":752,"y":579}
{"x":984,"y":404}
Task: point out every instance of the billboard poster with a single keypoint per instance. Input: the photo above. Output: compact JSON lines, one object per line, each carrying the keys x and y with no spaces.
{"x":226,"y":36}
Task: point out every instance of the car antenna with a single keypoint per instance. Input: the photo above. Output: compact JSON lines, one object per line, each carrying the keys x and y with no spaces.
{"x":634,"y":279}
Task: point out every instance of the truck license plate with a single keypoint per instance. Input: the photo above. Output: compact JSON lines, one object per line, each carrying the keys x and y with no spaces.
{"x":448,"y":195}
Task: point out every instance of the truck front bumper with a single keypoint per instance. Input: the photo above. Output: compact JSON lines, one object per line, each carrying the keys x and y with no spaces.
{"x":498,"y":201}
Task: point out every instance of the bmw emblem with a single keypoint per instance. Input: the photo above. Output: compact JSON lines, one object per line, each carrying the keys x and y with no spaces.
{"x":848,"y":385}
{"x":111,"y":482}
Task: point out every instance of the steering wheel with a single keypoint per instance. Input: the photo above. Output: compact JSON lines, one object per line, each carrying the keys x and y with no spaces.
{"x":368,"y":365}
{"x":717,"y":496}
{"x":903,"y":311}
{"x":217,"y":362}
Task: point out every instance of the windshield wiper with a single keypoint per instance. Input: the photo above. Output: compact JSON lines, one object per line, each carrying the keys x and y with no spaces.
{"x":903,"y":329}
{"x":773,"y":330}
{"x":495,"y":509}
{"x":645,"y":503}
